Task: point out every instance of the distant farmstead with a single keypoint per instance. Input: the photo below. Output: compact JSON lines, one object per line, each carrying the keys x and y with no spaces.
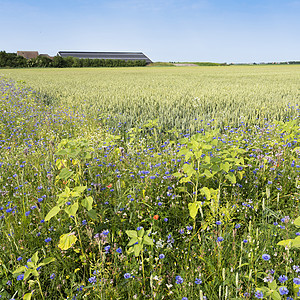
{"x":28,"y":54}
{"x":32,"y":54}
{"x":127,"y":56}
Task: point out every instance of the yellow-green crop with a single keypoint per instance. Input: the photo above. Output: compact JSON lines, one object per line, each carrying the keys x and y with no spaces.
{"x":179,"y":97}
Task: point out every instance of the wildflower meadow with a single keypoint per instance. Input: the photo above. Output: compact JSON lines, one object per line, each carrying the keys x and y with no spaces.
{"x":112,"y":189}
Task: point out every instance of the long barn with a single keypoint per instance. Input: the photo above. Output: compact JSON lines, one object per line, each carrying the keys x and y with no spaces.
{"x":106,"y":55}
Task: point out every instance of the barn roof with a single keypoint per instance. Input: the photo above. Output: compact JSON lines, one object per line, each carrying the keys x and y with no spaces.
{"x":28,"y":54}
{"x":106,"y":55}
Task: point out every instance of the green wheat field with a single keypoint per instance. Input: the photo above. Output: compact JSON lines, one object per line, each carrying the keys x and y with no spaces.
{"x":150,"y":183}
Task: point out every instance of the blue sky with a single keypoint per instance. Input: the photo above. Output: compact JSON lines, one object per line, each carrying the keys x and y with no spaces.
{"x":165,"y":30}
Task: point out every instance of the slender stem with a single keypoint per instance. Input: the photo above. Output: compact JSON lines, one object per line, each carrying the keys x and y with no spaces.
{"x":40,"y":288}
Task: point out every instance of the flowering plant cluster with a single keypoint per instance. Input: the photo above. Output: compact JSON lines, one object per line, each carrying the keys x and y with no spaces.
{"x":133,"y":214}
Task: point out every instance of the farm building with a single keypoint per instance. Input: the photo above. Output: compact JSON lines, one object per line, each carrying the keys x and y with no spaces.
{"x":106,"y":55}
{"x":28,"y":54}
{"x":32,"y":54}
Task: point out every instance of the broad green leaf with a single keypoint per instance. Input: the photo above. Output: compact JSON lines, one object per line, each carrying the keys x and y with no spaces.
{"x":297,"y":222}
{"x":20,"y":270}
{"x":35,"y":273}
{"x":188,"y":169}
{"x":147,"y":240}
{"x":131,"y":233}
{"x":181,"y":189}
{"x":207,"y":173}
{"x":275,"y":296}
{"x":53,"y":212}
{"x":198,"y":154}
{"x":71,"y":210}
{"x":240,"y":175}
{"x":92,"y":214}
{"x":206,"y":192}
{"x":231,"y":177}
{"x":215,"y":168}
{"x":65,"y":174}
{"x":285,"y":243}
{"x":87,"y":203}
{"x":185,"y":179}
{"x":193,"y":208}
{"x":132,"y":241}
{"x":272,"y":285}
{"x":35,"y":257}
{"x":189,"y":155}
{"x":141,"y":232}
{"x":207,"y":147}
{"x":48,"y":260}
{"x":137,"y":249}
{"x":177,"y":175}
{"x":78,"y":190}
{"x":183,"y":141}
{"x":27,"y":296}
{"x":66,"y":241}
{"x":207,"y":159}
{"x":27,"y":274}
{"x":30,"y":264}
{"x":296,"y":242}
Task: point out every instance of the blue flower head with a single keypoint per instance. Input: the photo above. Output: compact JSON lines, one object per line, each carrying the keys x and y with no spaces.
{"x":266,"y":257}
{"x":283,"y":290}
{"x":259,"y":294}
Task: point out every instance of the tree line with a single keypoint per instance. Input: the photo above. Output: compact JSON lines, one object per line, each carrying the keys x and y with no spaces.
{"x":12,"y":60}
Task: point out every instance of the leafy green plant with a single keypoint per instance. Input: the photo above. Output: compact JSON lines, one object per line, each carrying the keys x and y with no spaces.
{"x":31,"y":268}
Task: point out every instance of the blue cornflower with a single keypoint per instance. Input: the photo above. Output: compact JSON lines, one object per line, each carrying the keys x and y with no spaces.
{"x":159,"y":203}
{"x":106,"y":248}
{"x":184,"y":298}
{"x":20,"y":277}
{"x":282,"y":278}
{"x":198,"y":281}
{"x":266,"y":257}
{"x":245,"y":241}
{"x":259,"y":294}
{"x":237,"y":226}
{"x":127,"y":275}
{"x":179,"y":279}
{"x":296,"y":281}
{"x":47,"y":240}
{"x":218,"y":223}
{"x":119,"y":250}
{"x":93,"y":279}
{"x":283,"y":290}
{"x":166,"y":219}
{"x":52,"y":276}
{"x":181,"y":231}
{"x":84,"y":222}
{"x":189,"y":228}
{"x":139,"y":228}
{"x":19,"y":258}
{"x":220,"y":239}
{"x":27,"y":213}
{"x":161,"y":256}
{"x":105,"y":232}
